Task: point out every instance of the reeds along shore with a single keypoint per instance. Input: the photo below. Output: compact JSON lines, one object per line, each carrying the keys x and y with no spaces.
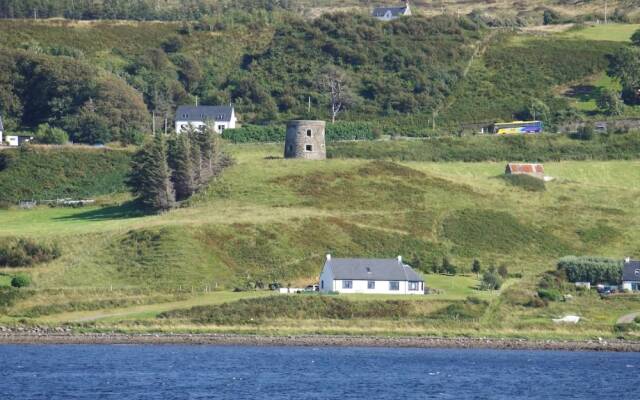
{"x":27,"y":338}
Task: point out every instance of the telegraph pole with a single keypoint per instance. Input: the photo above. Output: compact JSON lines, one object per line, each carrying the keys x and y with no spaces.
{"x":606,"y":10}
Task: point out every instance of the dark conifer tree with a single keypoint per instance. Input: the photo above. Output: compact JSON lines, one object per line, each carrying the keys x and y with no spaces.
{"x":150,"y":177}
{"x":179,"y":159}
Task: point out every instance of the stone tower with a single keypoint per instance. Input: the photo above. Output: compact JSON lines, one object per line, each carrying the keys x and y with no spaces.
{"x":305,"y":139}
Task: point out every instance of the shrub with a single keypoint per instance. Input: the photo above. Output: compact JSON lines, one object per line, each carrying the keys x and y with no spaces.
{"x":470,"y":309}
{"x":526,"y":182}
{"x":25,"y":252}
{"x":490,"y":281}
{"x":549,"y":294}
{"x":503,"y":271}
{"x":20,"y":281}
{"x":585,"y":132}
{"x":50,"y":135}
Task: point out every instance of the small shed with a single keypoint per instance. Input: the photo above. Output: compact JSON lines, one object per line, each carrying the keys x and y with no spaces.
{"x":535,"y":170}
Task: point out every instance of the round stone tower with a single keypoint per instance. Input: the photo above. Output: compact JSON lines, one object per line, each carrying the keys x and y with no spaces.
{"x":305,"y":139}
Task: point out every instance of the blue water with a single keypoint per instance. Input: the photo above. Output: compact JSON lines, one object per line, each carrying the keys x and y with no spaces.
{"x":209,"y":372}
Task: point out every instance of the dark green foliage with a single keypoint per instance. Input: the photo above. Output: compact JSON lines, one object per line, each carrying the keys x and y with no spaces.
{"x":610,"y":103}
{"x":518,"y":296}
{"x":92,"y":105}
{"x":447,"y":267}
{"x":635,"y":38}
{"x":591,"y":269}
{"x":10,"y":295}
{"x":251,"y":311}
{"x":181,"y":164}
{"x":476,"y":268}
{"x":490,"y":281}
{"x":585,"y":132}
{"x":503,"y":271}
{"x":275,"y":133}
{"x":21,"y":252}
{"x":47,"y":174}
{"x":550,"y":294}
{"x":150,"y":177}
{"x":46,"y":134}
{"x":490,"y":148}
{"x":20,"y":281}
{"x":526,"y":182}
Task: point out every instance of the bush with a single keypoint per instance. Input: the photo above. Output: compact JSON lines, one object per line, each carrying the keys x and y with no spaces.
{"x":25,"y":252}
{"x":470,"y":309}
{"x":585,"y":132}
{"x":549,"y":294}
{"x":20,"y":281}
{"x":490,"y":281}
{"x":50,"y":135}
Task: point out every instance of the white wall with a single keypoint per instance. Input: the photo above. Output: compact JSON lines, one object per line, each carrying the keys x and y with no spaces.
{"x":326,"y":280}
{"x":219,"y":126}
{"x":13,"y":141}
{"x":382,"y":287}
{"x":1,"y":138}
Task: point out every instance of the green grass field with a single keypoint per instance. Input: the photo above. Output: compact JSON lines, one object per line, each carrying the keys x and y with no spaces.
{"x":611,"y":32}
{"x":271,"y":220}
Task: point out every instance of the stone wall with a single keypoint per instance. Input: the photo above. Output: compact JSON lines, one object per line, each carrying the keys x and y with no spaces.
{"x":306,"y":140}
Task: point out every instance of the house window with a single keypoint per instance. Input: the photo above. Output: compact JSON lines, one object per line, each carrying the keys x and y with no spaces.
{"x":371,"y":285}
{"x":309,"y":132}
{"x":394,"y":285}
{"x":321,"y":284}
{"x":221,"y":128}
{"x":414,"y":286}
{"x":347,"y":284}
{"x":309,"y":147}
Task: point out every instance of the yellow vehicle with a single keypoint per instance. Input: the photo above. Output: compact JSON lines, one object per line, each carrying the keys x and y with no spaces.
{"x":518,"y":128}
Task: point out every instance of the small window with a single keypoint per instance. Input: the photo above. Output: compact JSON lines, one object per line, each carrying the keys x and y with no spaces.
{"x":394,"y":285}
{"x":309,"y":132}
{"x":414,"y":286}
{"x":371,"y":285}
{"x":309,"y":147}
{"x":290,"y":148}
{"x":321,"y":284}
{"x":221,"y":128}
{"x":347,"y":284}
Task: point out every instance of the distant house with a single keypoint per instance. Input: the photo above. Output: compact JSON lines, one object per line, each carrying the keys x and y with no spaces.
{"x":17,"y":140}
{"x":391,"y":13}
{"x":375,"y":276}
{"x":631,"y":275}
{"x":535,"y":170}
{"x":1,"y":131}
{"x":218,"y":117}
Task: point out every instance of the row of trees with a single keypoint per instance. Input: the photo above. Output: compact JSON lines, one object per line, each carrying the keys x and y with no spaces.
{"x":165,"y":172}
{"x":591,"y":269}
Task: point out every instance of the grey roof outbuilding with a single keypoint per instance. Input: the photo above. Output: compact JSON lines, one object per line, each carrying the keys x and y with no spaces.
{"x":372,"y":269}
{"x":204,"y":113}
{"x":398,"y":11}
{"x":631,"y":271}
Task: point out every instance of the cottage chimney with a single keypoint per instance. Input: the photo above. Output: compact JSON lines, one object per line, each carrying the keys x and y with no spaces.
{"x":399,"y":259}
{"x":328,"y":257}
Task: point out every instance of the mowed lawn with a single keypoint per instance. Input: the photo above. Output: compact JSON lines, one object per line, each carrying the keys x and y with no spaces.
{"x":611,"y":32}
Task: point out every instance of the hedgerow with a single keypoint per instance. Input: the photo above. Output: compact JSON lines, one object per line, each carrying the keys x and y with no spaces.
{"x":591,"y":269}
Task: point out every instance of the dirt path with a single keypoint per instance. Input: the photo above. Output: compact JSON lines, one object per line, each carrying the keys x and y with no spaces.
{"x":629,"y":318}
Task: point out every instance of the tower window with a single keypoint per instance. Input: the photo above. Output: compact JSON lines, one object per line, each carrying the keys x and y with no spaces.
{"x":309,"y":147}
{"x":309,"y":132}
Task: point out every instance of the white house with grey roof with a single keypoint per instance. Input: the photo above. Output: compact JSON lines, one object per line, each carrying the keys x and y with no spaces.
{"x":631,"y":275}
{"x":391,"y":13}
{"x":373,"y":276}
{"x":217,"y":117}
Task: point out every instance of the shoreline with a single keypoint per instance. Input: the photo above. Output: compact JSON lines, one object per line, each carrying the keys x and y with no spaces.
{"x":316,"y":341}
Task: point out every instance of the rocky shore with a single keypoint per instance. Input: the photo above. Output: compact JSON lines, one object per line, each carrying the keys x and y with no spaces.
{"x":63,"y":336}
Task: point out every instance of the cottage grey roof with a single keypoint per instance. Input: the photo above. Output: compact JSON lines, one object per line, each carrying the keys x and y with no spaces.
{"x":204,"y":113}
{"x":372,"y":269}
{"x":631,"y":271}
{"x":395,"y":11}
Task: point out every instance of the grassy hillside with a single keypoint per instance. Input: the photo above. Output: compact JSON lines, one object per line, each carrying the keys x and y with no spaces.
{"x":272,"y":220}
{"x":35,"y":173}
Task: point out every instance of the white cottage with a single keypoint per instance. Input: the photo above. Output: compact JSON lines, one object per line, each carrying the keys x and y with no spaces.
{"x":631,"y":276}
{"x":391,"y":13}
{"x":374,"y":276}
{"x":218,"y":117}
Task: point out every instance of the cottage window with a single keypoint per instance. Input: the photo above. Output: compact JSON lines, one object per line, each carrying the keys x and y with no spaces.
{"x":321,"y":284}
{"x":221,"y":128}
{"x":309,"y":132}
{"x":347,"y":284}
{"x":290,"y":148}
{"x":414,"y":286}
{"x":371,"y":285}
{"x":394,"y":285}
{"x":309,"y":147}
